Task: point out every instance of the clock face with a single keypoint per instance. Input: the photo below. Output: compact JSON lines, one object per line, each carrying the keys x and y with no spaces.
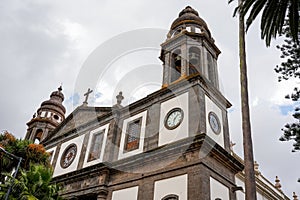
{"x":214,"y":123}
{"x":68,"y":156}
{"x":174,"y":118}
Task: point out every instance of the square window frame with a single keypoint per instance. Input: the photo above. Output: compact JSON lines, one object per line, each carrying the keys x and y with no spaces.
{"x":125,"y":148}
{"x":124,"y":154}
{"x":93,"y":142}
{"x":103,"y":146}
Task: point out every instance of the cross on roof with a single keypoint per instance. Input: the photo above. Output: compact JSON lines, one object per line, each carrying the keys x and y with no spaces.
{"x":87,"y":96}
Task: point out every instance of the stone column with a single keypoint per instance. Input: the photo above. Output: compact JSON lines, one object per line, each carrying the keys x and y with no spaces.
{"x":184,"y":60}
{"x":103,"y":181}
{"x":215,"y":64}
{"x":166,"y":70}
{"x":204,"y":61}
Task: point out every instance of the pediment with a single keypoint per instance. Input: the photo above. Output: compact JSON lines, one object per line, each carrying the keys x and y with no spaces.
{"x":79,"y":117}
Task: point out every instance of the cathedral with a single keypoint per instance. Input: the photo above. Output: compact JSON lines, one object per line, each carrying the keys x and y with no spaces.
{"x":173,"y":144}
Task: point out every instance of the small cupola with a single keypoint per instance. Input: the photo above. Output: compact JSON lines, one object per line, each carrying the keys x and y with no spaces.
{"x":53,"y":107}
{"x":50,"y":114}
{"x":190,"y":21}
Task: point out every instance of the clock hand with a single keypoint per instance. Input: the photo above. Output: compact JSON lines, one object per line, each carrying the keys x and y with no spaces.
{"x":175,"y":119}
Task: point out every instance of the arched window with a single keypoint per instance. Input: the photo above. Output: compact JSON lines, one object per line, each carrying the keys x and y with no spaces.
{"x":176,"y":65}
{"x":38,"y":136}
{"x":171,"y":197}
{"x":194,"y":60}
{"x":210,"y":68}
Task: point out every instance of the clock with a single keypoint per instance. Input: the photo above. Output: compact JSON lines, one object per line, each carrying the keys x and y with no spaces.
{"x":214,"y":122}
{"x":68,"y":156}
{"x":173,"y":118}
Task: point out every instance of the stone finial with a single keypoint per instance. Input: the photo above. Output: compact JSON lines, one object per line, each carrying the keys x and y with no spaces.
{"x":119,"y":98}
{"x":85,"y":103}
{"x":256,"y":168}
{"x":277,"y":184}
{"x":295,"y":197}
{"x":34,"y":115}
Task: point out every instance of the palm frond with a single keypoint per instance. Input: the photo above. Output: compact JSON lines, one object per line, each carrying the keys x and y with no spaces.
{"x":257,"y":7}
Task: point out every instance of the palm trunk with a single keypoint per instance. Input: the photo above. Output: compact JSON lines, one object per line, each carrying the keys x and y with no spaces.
{"x":250,"y":185}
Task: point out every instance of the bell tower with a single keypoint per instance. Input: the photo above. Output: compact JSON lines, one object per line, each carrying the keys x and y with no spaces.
{"x":50,"y":114}
{"x":189,"y":50}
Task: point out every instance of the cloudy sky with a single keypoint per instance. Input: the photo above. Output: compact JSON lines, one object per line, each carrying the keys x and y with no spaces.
{"x":48,"y":43}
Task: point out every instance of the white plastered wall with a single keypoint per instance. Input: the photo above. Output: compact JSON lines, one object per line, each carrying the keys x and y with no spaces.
{"x":53,"y":150}
{"x":165,"y":135}
{"x":218,"y":190}
{"x":123,"y":154}
{"x":176,"y":185}
{"x":58,"y":170}
{"x":210,"y":106}
{"x":100,"y":159}
{"x":127,"y":193}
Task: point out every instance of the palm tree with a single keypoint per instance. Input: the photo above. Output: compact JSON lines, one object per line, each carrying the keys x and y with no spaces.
{"x":250,"y":185}
{"x":272,"y":22}
{"x":274,"y":13}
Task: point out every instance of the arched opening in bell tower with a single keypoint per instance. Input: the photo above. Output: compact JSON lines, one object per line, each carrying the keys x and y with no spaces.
{"x":38,"y":136}
{"x":176,"y":63}
{"x":194,"y":60}
{"x":210,"y":68}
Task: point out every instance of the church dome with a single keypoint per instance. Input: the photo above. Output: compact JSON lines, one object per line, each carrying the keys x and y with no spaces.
{"x":58,"y":95}
{"x":54,"y":103}
{"x":189,"y":17}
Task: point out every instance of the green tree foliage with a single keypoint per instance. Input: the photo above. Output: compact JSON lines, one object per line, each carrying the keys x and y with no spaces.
{"x":274,"y":13}
{"x":33,"y":180}
{"x":31,"y":153}
{"x":290,"y":68}
{"x":290,"y":52}
{"x":32,"y":184}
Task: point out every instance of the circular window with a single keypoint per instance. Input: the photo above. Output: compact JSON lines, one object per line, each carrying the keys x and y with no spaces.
{"x":68,"y":156}
{"x":173,"y":118}
{"x":55,"y":117}
{"x":214,"y":123}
